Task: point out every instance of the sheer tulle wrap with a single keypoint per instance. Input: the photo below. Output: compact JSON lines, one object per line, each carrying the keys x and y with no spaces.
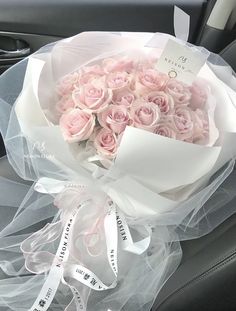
{"x":154,"y":204}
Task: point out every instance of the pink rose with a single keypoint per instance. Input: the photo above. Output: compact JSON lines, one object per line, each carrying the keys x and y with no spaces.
{"x":64,"y":104}
{"x":164,"y":129}
{"x":114,"y":65}
{"x":147,"y":62}
{"x":118,"y":80}
{"x":145,"y":115}
{"x":67,"y":83}
{"x":164,"y":101}
{"x":114,"y":118}
{"x":124,"y":98}
{"x":199,"y":92}
{"x":90,"y":73}
{"x":179,"y":91}
{"x":96,"y":69}
{"x":152,"y":80}
{"x":77,"y":125}
{"x":93,"y":97}
{"x":183,"y":123}
{"x":105,"y":143}
{"x":200,"y":126}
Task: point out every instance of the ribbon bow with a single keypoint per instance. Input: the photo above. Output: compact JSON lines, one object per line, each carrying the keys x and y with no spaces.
{"x":116,"y":232}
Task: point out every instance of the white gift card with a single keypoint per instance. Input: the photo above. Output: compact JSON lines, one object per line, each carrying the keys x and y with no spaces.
{"x":180,"y":61}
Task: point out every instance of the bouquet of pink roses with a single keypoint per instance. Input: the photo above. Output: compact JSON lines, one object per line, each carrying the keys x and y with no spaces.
{"x":127,"y":142}
{"x":97,"y":102}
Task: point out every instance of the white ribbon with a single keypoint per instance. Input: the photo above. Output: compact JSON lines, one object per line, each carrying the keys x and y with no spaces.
{"x":115,"y":226}
{"x":77,"y":300}
{"x":48,"y":291}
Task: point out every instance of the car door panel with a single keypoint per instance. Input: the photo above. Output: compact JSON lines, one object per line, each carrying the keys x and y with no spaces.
{"x":66,"y":18}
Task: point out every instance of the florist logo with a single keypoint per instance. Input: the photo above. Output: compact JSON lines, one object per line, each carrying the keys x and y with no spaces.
{"x":39,"y":146}
{"x":39,"y":151}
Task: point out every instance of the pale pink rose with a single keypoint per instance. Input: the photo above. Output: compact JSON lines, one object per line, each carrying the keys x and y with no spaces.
{"x":124,"y":97}
{"x":164,"y":101}
{"x":67,"y":83}
{"x":96,"y":69}
{"x":199,"y":91}
{"x":93,"y":97}
{"x":118,"y":80}
{"x":147,"y":62}
{"x":90,"y":73}
{"x":145,"y":115}
{"x":152,"y":57}
{"x":151,"y":79}
{"x":105,"y":143}
{"x":64,"y":104}
{"x":200,"y":126}
{"x":77,"y":125}
{"x":183,"y":123}
{"x":179,"y":91}
{"x":114,"y":118}
{"x":121,"y":65}
{"x":166,"y":130}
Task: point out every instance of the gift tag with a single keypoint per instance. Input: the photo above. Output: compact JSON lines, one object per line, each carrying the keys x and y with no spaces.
{"x":181,"y":62}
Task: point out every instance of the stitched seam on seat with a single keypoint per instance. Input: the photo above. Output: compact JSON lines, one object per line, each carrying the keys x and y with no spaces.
{"x":226,"y":259}
{"x":213,"y":269}
{"x":225,"y":50}
{"x":219,"y":260}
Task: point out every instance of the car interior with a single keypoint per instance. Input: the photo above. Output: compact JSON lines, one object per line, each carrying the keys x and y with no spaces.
{"x":206,"y":277}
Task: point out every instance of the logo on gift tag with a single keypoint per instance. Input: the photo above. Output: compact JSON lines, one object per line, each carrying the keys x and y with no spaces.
{"x":181,"y":61}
